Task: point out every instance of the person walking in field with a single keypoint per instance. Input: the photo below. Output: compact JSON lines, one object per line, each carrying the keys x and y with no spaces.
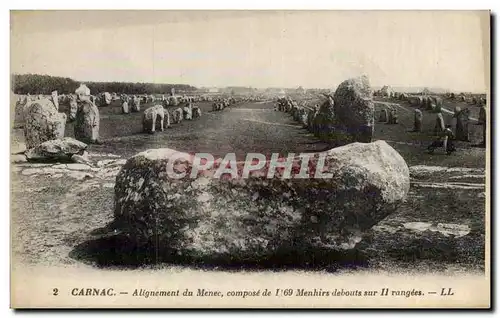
{"x":445,"y":140}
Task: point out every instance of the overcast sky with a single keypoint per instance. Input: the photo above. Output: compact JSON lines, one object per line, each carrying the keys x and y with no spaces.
{"x":259,"y":49}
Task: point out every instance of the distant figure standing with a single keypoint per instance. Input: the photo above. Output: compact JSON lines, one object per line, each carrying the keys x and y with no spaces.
{"x":445,"y":140}
{"x":439,"y":127}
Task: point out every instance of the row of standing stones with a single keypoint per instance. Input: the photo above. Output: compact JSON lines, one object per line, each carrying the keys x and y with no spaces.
{"x":207,"y":219}
{"x":44,"y":128}
{"x":247,"y":219}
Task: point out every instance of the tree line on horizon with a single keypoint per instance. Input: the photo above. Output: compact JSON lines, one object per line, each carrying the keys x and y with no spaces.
{"x":45,"y":84}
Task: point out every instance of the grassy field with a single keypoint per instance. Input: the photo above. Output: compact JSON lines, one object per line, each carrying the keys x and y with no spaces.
{"x":55,"y":215}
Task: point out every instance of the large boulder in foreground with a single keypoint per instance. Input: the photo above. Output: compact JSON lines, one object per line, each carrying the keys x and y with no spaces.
{"x":354,"y":111}
{"x":210,"y":218}
{"x":42,"y":122}
{"x":63,"y":148}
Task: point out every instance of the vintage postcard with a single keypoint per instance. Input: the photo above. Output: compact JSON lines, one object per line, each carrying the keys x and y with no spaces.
{"x":250,"y":159}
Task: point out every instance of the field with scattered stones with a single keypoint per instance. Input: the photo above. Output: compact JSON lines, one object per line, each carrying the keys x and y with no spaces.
{"x":59,"y":211}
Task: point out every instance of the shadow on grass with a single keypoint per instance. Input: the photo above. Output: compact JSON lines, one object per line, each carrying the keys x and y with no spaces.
{"x":118,"y":252}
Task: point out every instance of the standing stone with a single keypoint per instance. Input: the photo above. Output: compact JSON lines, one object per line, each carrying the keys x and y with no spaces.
{"x":383,"y":117}
{"x":417,"y":124}
{"x":187,"y":112}
{"x":177,"y":115}
{"x":136,"y":104}
{"x":324,"y":120}
{"x":354,"y":111}
{"x":125,"y":103}
{"x":124,"y":107}
{"x":73,"y":107}
{"x":438,"y":102}
{"x":106,"y":98}
{"x":393,"y":117}
{"x":82,"y":90}
{"x":439,"y":127}
{"x":296,"y":113}
{"x":55,"y":99}
{"x":482,"y":122}
{"x":196,"y":112}
{"x":421,"y":101}
{"x":482,"y":115}
{"x":42,"y":122}
{"x":172,"y":91}
{"x":152,"y":116}
{"x":87,"y":122}
{"x":462,"y":125}
{"x":173,"y":101}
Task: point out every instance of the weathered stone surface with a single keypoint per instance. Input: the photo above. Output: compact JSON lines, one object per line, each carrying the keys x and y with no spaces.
{"x":250,"y":219}
{"x":136,"y":104}
{"x":42,"y":122}
{"x":55,"y":99}
{"x":324,"y":120}
{"x":173,"y":101}
{"x":177,"y":115}
{"x":58,"y":148}
{"x":354,"y":111}
{"x":73,"y":107}
{"x":106,"y":98}
{"x":87,"y":122}
{"x":187,"y":113}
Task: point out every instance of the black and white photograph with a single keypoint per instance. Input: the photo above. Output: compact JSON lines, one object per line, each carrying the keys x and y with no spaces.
{"x":250,"y":159}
